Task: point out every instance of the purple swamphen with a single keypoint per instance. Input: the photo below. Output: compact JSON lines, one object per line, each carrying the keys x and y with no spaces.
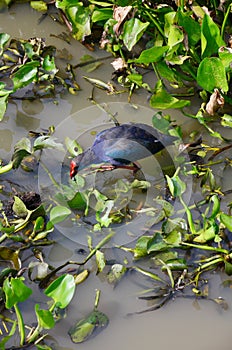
{"x":120,"y":146}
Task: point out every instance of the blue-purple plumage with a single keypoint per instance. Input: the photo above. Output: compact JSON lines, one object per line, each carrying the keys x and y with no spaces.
{"x":122,"y":145}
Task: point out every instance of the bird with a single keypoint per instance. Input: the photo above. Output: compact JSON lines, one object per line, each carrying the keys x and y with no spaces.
{"x":120,"y":146}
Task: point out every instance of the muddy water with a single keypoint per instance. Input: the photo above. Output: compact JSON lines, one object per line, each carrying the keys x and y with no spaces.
{"x":180,"y":325}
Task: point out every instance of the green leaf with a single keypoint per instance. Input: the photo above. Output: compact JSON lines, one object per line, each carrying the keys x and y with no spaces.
{"x":44,"y":317}
{"x":79,"y":17}
{"x":15,"y":291}
{"x":40,"y":6}
{"x":47,"y":142}
{"x":152,"y":55}
{"x":156,"y":244}
{"x":160,"y":123}
{"x":205,"y":235}
{"x":3,"y":105}
{"x":211,"y":74}
{"x":191,"y":27}
{"x":49,"y":65}
{"x":226,"y":120}
{"x":133,"y":29}
{"x":226,"y":220}
{"x":61,"y":290}
{"x":4,"y":37}
{"x":73,"y":147}
{"x":102,"y":14}
{"x":176,"y":185}
{"x":59,"y":213}
{"x":116,"y":273}
{"x":161,"y":99}
{"x":19,"y":208}
{"x":210,"y":37}
{"x":25,"y":75}
{"x":100,"y":259}
{"x":85,"y":327}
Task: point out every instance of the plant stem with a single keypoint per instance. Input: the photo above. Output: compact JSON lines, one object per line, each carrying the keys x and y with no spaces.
{"x":4,"y":169}
{"x":20,"y":324}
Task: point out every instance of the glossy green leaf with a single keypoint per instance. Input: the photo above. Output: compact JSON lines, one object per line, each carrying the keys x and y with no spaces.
{"x":152,"y":55}
{"x":44,"y":317}
{"x":205,"y":235}
{"x":15,"y":291}
{"x":61,"y":290}
{"x":79,"y":17}
{"x":59,"y":213}
{"x":191,"y":27}
{"x":161,"y":99}
{"x":176,"y":185}
{"x":4,"y":37}
{"x":101,"y":14}
{"x":211,"y":74}
{"x":226,"y":220}
{"x":133,"y":30}
{"x":25,"y":75}
{"x":210,"y":37}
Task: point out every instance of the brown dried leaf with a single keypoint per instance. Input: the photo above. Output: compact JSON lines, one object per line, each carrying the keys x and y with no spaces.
{"x":216,"y":102}
{"x":120,"y":13}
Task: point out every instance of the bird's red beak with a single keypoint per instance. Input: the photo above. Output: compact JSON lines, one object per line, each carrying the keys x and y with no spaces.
{"x":73,"y":169}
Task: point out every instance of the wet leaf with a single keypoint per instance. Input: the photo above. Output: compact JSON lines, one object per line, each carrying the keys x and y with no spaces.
{"x":100,"y":259}
{"x":59,"y":213}
{"x":15,"y":291}
{"x":84,"y":328}
{"x":133,"y":30}
{"x":61,"y":290}
{"x":37,"y":270}
{"x":19,"y":208}
{"x":221,"y":302}
{"x":211,"y":74}
{"x":25,"y":75}
{"x":81,"y":277}
{"x":116,"y":273}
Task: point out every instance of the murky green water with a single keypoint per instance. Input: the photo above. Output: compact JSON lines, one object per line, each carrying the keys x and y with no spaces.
{"x":181,"y":324}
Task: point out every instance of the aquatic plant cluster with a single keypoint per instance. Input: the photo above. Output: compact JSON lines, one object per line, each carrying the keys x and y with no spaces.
{"x":187,"y":45}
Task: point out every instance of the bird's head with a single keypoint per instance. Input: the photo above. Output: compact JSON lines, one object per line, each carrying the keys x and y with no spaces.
{"x":74,"y":165}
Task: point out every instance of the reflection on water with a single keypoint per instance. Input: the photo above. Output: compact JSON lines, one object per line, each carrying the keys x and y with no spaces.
{"x":179,"y":325}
